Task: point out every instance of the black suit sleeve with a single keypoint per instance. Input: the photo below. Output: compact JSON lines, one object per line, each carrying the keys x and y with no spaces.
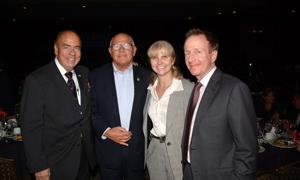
{"x":32,"y":124}
{"x":243,"y":126}
{"x":97,"y":120}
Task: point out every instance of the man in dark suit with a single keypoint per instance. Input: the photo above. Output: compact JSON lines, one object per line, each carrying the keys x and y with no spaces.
{"x":118,"y":92}
{"x":220,"y":134}
{"x":55,"y":115}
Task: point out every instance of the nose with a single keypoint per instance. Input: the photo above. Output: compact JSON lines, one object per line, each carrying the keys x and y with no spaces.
{"x":72,"y":51}
{"x":121,"y":48}
{"x":159,"y":61}
{"x":190,"y":58}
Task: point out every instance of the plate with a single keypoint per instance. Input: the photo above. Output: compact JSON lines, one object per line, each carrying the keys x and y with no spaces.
{"x":10,"y":136}
{"x":261,"y":149}
{"x":13,"y":137}
{"x":259,"y":118}
{"x":281,"y":143}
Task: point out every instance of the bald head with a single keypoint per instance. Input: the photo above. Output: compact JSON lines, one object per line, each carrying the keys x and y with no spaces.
{"x":69,"y":33}
{"x":122,"y":50}
{"x":121,"y":36}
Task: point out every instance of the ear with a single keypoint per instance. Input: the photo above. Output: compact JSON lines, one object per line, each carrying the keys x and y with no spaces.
{"x":214,"y":55}
{"x":173,"y":61}
{"x":134,"y":50}
{"x":55,"y":49}
{"x":110,"y":51}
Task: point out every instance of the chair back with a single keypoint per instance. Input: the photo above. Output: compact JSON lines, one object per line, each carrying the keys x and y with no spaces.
{"x":267,"y":176}
{"x":290,"y":171}
{"x":7,"y":169}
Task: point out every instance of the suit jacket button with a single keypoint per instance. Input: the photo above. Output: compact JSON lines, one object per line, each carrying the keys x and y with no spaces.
{"x":168,"y":144}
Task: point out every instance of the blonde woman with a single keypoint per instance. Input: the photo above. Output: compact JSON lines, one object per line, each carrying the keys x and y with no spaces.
{"x":164,"y":114}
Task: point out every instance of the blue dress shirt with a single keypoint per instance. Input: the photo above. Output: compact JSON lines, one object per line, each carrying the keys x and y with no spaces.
{"x":125,"y":94}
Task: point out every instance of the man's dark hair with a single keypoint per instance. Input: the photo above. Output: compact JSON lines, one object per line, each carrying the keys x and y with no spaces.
{"x":211,"y":38}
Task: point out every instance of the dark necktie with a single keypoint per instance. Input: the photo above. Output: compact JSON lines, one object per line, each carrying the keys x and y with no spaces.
{"x":71,"y":84}
{"x":189,"y":116}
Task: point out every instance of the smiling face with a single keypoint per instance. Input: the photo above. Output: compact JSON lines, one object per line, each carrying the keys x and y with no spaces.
{"x":199,"y":56}
{"x":122,"y":50}
{"x":67,"y":49}
{"x":161,"y":62}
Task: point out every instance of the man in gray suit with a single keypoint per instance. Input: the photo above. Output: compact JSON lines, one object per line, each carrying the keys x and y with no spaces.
{"x":220,"y":134}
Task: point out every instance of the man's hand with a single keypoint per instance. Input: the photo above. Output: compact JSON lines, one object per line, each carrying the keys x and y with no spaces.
{"x":119,"y":135}
{"x":43,"y":175}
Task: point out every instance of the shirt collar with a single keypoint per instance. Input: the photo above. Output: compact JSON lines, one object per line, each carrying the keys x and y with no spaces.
{"x":116,"y":70}
{"x":204,"y":81}
{"x":176,"y":85}
{"x":60,"y":68}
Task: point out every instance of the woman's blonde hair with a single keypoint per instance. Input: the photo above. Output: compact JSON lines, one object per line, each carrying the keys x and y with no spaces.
{"x":168,"y":48}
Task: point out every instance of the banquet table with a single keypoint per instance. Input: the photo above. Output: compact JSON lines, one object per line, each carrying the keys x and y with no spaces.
{"x":275,"y":157}
{"x":271,"y":159}
{"x":12,"y":149}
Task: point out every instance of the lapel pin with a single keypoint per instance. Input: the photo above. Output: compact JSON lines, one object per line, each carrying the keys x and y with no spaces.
{"x":138,"y":79}
{"x":89,"y":86}
{"x":135,"y":64}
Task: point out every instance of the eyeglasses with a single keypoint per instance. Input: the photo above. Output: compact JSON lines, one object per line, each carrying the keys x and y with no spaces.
{"x":118,"y":46}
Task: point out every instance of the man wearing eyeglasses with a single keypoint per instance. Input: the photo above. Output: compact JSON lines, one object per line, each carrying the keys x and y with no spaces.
{"x":118,"y":92}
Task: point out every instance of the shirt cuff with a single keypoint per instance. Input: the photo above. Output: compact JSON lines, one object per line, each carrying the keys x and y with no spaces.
{"x":104,"y":137}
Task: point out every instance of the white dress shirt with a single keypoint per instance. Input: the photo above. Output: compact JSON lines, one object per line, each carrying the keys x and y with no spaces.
{"x":158,"y":107}
{"x":204,"y":81}
{"x":74,"y":77}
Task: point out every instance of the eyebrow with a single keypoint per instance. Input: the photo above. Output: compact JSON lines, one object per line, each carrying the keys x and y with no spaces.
{"x":65,"y":44}
{"x":122,"y":43}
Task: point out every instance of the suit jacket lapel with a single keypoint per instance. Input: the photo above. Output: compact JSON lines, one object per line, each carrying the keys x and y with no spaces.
{"x":137,"y":93}
{"x":83,"y":90}
{"x":208,"y":96}
{"x":146,"y":108}
{"x":61,"y":83}
{"x":145,"y":113}
{"x":112,"y":92}
{"x":173,"y":106}
{"x":59,"y":80}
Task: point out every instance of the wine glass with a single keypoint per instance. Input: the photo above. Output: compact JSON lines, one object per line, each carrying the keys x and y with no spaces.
{"x":259,"y":131}
{"x":260,"y":135}
{"x":268,"y":127}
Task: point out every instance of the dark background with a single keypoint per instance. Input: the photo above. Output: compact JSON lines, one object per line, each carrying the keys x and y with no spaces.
{"x":258,"y":39}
